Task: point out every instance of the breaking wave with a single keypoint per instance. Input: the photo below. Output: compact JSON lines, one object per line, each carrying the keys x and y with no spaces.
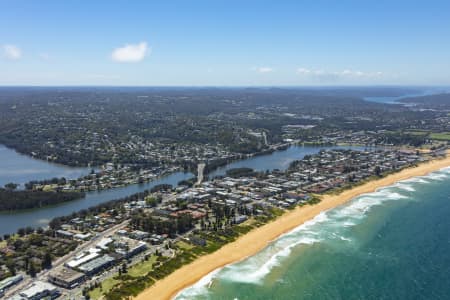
{"x":199,"y":288}
{"x":329,"y":226}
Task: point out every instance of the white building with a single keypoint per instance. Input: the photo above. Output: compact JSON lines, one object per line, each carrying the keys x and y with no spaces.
{"x":39,"y":290}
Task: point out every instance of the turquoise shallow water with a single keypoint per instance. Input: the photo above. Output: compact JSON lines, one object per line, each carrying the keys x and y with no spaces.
{"x":391,"y":244}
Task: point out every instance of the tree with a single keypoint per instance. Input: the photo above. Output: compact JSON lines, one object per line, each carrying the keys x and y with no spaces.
{"x":29,"y":229}
{"x":151,"y":201}
{"x":124,"y":268}
{"x":32,"y":270}
{"x":11,"y":267}
{"x":378,"y":171}
{"x":47,"y":261}
{"x":21,"y":232}
{"x":11,"y":186}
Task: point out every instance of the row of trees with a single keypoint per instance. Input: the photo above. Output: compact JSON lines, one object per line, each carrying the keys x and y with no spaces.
{"x":172,"y":227}
{"x":17,"y":200}
{"x":112,"y":205}
{"x":59,"y":181}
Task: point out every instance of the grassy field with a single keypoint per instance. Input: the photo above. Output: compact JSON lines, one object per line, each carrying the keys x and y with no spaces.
{"x":139,"y":269}
{"x":142,"y":268}
{"x":442,"y":136}
{"x":106,"y":286}
{"x":184,"y":246}
{"x":439,"y":136}
{"x":417,"y":132}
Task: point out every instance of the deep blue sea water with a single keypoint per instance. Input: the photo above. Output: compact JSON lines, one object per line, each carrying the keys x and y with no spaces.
{"x":390,"y":244}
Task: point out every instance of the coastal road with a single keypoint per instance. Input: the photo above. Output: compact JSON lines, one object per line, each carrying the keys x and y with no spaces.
{"x":43,"y":276}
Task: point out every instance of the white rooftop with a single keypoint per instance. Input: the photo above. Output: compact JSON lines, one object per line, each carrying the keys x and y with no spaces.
{"x":82,"y":259}
{"x":103,"y":243}
{"x":37,"y":288}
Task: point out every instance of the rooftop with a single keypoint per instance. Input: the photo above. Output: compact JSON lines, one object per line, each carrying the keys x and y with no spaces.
{"x":80,"y":260}
{"x":66,"y":274}
{"x":37,"y":288}
{"x":96,"y":263}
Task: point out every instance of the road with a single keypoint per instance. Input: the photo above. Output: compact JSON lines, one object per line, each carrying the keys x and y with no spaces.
{"x":200,"y":169}
{"x":264,"y":135}
{"x":43,"y":276}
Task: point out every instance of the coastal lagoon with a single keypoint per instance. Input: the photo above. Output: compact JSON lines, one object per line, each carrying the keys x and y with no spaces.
{"x":11,"y":221}
{"x":23,"y":169}
{"x":389,"y":244}
{"x":277,"y":160}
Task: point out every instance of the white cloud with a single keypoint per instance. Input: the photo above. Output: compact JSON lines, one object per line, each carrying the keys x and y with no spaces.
{"x":102,"y":76}
{"x":264,"y":70}
{"x":337,"y":75}
{"x":130,"y":52}
{"x":44,"y":56}
{"x":303,"y":71}
{"x":12,"y":52}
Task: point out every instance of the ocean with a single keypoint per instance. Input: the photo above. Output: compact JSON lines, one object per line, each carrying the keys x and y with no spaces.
{"x":390,"y":244}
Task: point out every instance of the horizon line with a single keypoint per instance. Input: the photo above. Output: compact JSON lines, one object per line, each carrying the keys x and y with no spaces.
{"x":230,"y":86}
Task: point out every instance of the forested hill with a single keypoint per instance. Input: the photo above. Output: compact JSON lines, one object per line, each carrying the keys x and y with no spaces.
{"x":431,"y":101}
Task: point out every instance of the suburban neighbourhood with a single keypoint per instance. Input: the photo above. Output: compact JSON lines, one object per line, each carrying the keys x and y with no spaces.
{"x":142,"y":234}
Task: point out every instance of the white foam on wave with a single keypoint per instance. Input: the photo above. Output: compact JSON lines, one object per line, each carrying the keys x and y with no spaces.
{"x":326,"y":226}
{"x":255,"y":268}
{"x":440,"y":175}
{"x":348,"y":224}
{"x":419,"y":179}
{"x":357,"y":209}
{"x":345,"y":239}
{"x":199,"y":288}
{"x":437,"y":176}
{"x":404,"y":186}
{"x":386,"y":193}
{"x":445,"y":170}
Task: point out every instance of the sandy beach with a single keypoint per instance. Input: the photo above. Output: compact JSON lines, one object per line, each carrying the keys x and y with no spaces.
{"x":257,"y":239}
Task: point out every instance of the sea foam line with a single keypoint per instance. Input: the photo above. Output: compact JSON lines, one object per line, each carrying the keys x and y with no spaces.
{"x":254,"y":268}
{"x":199,"y":288}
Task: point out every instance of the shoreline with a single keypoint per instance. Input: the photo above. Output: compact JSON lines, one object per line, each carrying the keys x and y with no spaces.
{"x":257,"y":239}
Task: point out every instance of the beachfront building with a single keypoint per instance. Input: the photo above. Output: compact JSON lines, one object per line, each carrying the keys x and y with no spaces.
{"x":127,"y":247}
{"x":97,"y":265}
{"x":66,"y":278}
{"x":83,"y":258}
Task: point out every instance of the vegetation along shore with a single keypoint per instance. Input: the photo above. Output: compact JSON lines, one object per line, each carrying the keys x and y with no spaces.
{"x":258,"y":238}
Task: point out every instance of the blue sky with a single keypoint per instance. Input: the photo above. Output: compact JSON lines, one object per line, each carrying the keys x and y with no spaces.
{"x":225,"y":43}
